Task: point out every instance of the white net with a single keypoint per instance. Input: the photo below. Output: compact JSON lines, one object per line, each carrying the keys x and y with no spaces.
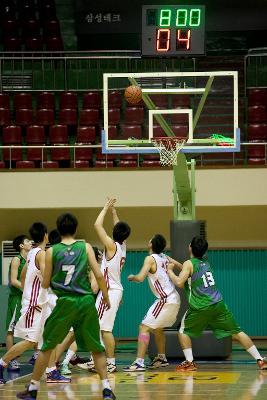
{"x":168,"y":148}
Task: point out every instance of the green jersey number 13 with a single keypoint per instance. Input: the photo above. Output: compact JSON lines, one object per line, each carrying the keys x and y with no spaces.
{"x":208,"y":279}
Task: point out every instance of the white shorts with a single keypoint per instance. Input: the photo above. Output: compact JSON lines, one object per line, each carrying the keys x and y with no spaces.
{"x":161,"y":315}
{"x":107,"y":317}
{"x":30,"y":326}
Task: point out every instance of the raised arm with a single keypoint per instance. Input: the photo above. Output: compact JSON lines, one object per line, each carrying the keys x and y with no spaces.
{"x":114,"y":215}
{"x":183,"y":276}
{"x":97,"y":273}
{"x":14,"y":268}
{"x":147,"y":267}
{"x":106,"y":240}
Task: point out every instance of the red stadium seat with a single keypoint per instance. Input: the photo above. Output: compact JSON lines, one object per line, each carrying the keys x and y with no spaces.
{"x":86,"y":134}
{"x":92,"y":100}
{"x":12,"y":136}
{"x":114,"y":99}
{"x":257,"y":97}
{"x":180,"y":100}
{"x":4,"y":116}
{"x":30,"y":28}
{"x":256,"y":151}
{"x":83,"y":153}
{"x":50,"y":164}
{"x":24,"y":117}
{"x":67,"y":116}
{"x":51,"y":28}
{"x":35,"y":134}
{"x":54,"y":44}
{"x":160,"y":100}
{"x":134,"y":115}
{"x":25,"y":164}
{"x":257,"y":132}
{"x":104,"y":164}
{"x":257,"y":161}
{"x":89,"y":116}
{"x":23,"y":100}
{"x":129,"y":157}
{"x":34,"y":44}
{"x":10,"y":27}
{"x":2,"y":165}
{"x":60,"y":153}
{"x":68,"y":100}
{"x":179,"y":119}
{"x":180,"y":130}
{"x":4,"y":100}
{"x":46,"y":100}
{"x":151,"y":164}
{"x":81,"y":164}
{"x":114,"y":115}
{"x":257,"y":114}
{"x":101,"y":156}
{"x":58,"y":134}
{"x":47,"y":10}
{"x":128,"y":164}
{"x":112,"y":132}
{"x":131,"y":131}
{"x":12,"y":44}
{"x":45,"y":116}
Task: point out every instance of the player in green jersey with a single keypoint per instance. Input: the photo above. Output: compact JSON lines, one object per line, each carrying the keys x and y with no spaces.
{"x":67,"y":272}
{"x":206,"y":307}
{"x":22,"y":244}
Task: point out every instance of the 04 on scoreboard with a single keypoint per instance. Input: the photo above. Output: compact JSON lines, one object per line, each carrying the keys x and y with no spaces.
{"x":173,"y":30}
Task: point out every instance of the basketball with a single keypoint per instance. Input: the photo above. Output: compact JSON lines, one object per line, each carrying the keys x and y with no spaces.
{"x":133,"y":94}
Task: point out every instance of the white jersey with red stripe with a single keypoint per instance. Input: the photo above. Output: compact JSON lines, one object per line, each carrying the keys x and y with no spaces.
{"x":111,"y":269}
{"x":33,"y":294}
{"x":160,"y":283}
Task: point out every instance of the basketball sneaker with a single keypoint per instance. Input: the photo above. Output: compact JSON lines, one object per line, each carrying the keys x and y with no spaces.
{"x":79,"y":360}
{"x":158,"y":362}
{"x":262,"y":363}
{"x":87,"y":365}
{"x":186,"y":366}
{"x":108,"y":395}
{"x":13,"y":366}
{"x":55,"y":377}
{"x":64,"y":369}
{"x":27,"y":394}
{"x":111,"y":368}
{"x":2,"y":381}
{"x":135,"y":367}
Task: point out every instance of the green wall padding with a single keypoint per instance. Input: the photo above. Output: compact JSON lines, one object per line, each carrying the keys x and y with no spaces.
{"x":241,"y":276}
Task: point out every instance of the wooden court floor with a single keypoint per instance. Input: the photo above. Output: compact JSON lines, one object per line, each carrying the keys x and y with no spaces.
{"x":235,"y":379}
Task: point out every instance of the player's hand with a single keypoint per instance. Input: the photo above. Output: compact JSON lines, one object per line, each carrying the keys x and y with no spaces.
{"x":131,"y":278}
{"x":110,"y":203}
{"x":170,"y":266}
{"x":106,"y":302}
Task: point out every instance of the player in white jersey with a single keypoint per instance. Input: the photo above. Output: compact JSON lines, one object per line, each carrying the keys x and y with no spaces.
{"x":35,"y":309}
{"x":164,"y":310}
{"x":112,"y":263}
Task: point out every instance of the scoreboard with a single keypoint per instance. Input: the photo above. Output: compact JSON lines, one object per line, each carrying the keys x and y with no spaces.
{"x":173,"y":30}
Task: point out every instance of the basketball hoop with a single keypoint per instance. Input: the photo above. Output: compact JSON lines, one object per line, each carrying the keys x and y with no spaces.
{"x":168,"y":148}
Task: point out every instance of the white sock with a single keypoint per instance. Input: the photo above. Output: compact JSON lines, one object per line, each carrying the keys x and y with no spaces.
{"x":48,"y":370}
{"x":111,"y":361}
{"x":188,"y":354}
{"x":68,"y":356}
{"x":162,"y":356}
{"x":140,"y":361}
{"x":106,"y":384}
{"x":3,"y":363}
{"x":253,"y":351}
{"x":34,"y":385}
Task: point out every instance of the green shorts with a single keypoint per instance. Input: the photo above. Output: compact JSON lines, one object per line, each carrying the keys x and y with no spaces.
{"x":216,"y":318}
{"x":13,"y":311}
{"x":78,"y":312}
